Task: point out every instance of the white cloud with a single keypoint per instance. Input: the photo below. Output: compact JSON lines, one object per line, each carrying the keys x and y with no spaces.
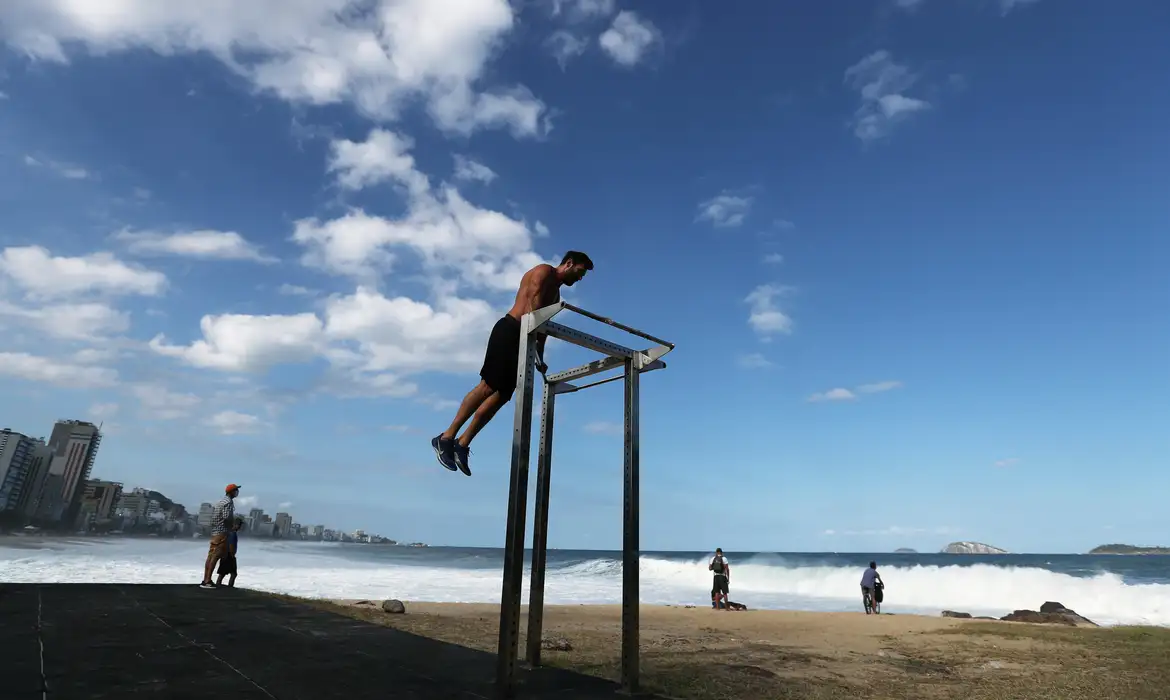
{"x":159,"y":403}
{"x":445,"y":232}
{"x":773,"y":258}
{"x":754,"y":360}
{"x":42,"y":275}
{"x":842,"y":394}
{"x":1010,"y":461}
{"x":574,"y":11}
{"x":541,"y":229}
{"x":881,"y":83}
{"x":246,"y":503}
{"x":65,"y":170}
{"x":21,"y":365}
{"x":376,"y":55}
{"x":766,"y":317}
{"x":82,"y":321}
{"x":838,"y":394}
{"x":206,"y":244}
{"x":234,"y":423}
{"x":243,"y":343}
{"x":293,"y":290}
{"x":603,"y":428}
{"x":725,"y":210}
{"x":285,"y":505}
{"x":103,"y":411}
{"x":629,"y":39}
{"x":565,"y":46}
{"x":472,"y":171}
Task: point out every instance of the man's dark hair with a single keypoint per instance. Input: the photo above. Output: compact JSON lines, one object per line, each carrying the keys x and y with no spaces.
{"x":577,"y":258}
{"x":873,"y":565}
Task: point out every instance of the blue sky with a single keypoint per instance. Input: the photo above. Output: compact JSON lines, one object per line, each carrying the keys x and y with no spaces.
{"x":912,"y":253}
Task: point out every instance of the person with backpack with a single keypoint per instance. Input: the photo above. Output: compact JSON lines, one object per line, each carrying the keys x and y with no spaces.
{"x":722,"y":570}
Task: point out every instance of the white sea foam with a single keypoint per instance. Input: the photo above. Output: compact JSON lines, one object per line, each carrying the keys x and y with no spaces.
{"x":762,"y":582}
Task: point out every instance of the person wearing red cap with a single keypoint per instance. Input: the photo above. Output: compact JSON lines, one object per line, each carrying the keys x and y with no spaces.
{"x":222,"y":516}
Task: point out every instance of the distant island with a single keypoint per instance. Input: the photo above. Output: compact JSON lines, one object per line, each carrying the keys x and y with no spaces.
{"x":905,"y":550}
{"x":1128,"y":549}
{"x":971,"y":548}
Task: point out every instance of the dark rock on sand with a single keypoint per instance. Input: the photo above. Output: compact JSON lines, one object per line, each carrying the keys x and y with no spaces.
{"x":1052,"y":614}
{"x":952,"y":613}
{"x":556,"y":644}
{"x":393,"y":606}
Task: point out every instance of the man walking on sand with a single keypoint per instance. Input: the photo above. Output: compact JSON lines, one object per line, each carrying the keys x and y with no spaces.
{"x":540,"y":287}
{"x":222,"y":517}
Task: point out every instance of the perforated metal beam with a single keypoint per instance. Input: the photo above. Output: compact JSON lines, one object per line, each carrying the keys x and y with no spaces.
{"x":585,"y":340}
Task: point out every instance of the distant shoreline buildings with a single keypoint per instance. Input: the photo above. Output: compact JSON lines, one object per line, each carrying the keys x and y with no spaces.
{"x":45,"y":486}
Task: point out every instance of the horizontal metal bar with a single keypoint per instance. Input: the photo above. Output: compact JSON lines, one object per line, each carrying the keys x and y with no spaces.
{"x":615,"y":324}
{"x":591,"y":342}
{"x":566,"y":388}
{"x":595,"y":367}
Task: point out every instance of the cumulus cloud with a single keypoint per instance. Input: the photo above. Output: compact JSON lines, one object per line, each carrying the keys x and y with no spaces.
{"x":842,"y":394}
{"x":440,"y":229}
{"x":19,"y":365}
{"x":629,"y":39}
{"x":766,"y":318}
{"x":881,"y":84}
{"x":205,"y":244}
{"x":725,"y":210}
{"x":65,"y":170}
{"x":472,"y":171}
{"x":43,"y":275}
{"x":234,"y":423}
{"x":376,"y":55}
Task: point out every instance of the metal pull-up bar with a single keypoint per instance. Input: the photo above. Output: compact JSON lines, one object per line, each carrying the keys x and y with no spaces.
{"x":633,"y":364}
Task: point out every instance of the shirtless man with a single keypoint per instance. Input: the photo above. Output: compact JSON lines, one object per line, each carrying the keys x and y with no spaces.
{"x":540,"y":286}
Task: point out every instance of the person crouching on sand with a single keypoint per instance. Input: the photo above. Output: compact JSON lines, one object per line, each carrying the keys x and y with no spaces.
{"x":227,"y":563}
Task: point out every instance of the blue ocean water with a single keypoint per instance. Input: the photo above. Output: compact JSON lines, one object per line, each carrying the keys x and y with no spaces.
{"x":1107,"y":589}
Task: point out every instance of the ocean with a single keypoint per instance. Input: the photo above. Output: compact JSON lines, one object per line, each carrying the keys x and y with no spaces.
{"x":1110,"y":590}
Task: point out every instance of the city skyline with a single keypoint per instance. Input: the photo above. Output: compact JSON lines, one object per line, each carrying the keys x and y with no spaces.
{"x":47,"y":484}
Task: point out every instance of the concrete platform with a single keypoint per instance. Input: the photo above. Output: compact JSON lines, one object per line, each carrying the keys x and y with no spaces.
{"x":85,"y":642}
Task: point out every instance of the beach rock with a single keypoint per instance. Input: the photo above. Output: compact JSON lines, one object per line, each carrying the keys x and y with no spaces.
{"x":952,"y":613}
{"x":971,"y":548}
{"x":556,"y":644}
{"x":365,"y":602}
{"x":1050,"y":614}
{"x":393,"y":606}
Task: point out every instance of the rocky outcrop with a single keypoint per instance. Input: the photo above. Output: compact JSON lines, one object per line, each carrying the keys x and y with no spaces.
{"x":393,"y":606}
{"x":1128,"y":549}
{"x":905,"y":550}
{"x":1050,"y":614}
{"x":960,"y":615}
{"x":971,"y":548}
{"x":556,"y":644}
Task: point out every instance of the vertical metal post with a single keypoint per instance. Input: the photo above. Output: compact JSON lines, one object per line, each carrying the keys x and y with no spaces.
{"x":540,"y":526}
{"x":510,"y":598}
{"x":630,"y":546}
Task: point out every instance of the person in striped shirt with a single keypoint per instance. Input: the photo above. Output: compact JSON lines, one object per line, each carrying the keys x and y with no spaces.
{"x":222,"y":517}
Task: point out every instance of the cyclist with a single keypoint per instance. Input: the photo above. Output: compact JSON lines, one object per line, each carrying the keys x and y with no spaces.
{"x":870,"y":580}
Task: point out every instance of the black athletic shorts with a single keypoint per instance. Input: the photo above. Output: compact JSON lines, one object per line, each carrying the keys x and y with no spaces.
{"x":227,"y":565}
{"x":719,"y":585}
{"x":502,"y":358}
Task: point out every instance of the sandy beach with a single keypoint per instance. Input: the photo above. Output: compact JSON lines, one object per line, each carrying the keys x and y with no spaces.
{"x":703,"y":653}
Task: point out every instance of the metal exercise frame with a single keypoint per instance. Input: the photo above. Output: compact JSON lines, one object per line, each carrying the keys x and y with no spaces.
{"x":633,"y":363}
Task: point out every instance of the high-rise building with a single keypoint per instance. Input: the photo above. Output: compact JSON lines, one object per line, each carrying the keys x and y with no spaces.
{"x":74,"y":444}
{"x":15,"y":461}
{"x":34,"y":483}
{"x":103,"y":496}
{"x":283,"y":524}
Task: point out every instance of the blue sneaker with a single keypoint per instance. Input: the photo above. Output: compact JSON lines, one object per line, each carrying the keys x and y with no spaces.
{"x":461,"y":455}
{"x":444,"y":450}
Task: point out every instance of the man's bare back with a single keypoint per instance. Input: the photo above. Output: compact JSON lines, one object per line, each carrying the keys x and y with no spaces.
{"x":539,"y":287}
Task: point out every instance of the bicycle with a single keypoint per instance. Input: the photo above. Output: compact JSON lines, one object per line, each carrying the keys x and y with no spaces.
{"x":871,"y":599}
